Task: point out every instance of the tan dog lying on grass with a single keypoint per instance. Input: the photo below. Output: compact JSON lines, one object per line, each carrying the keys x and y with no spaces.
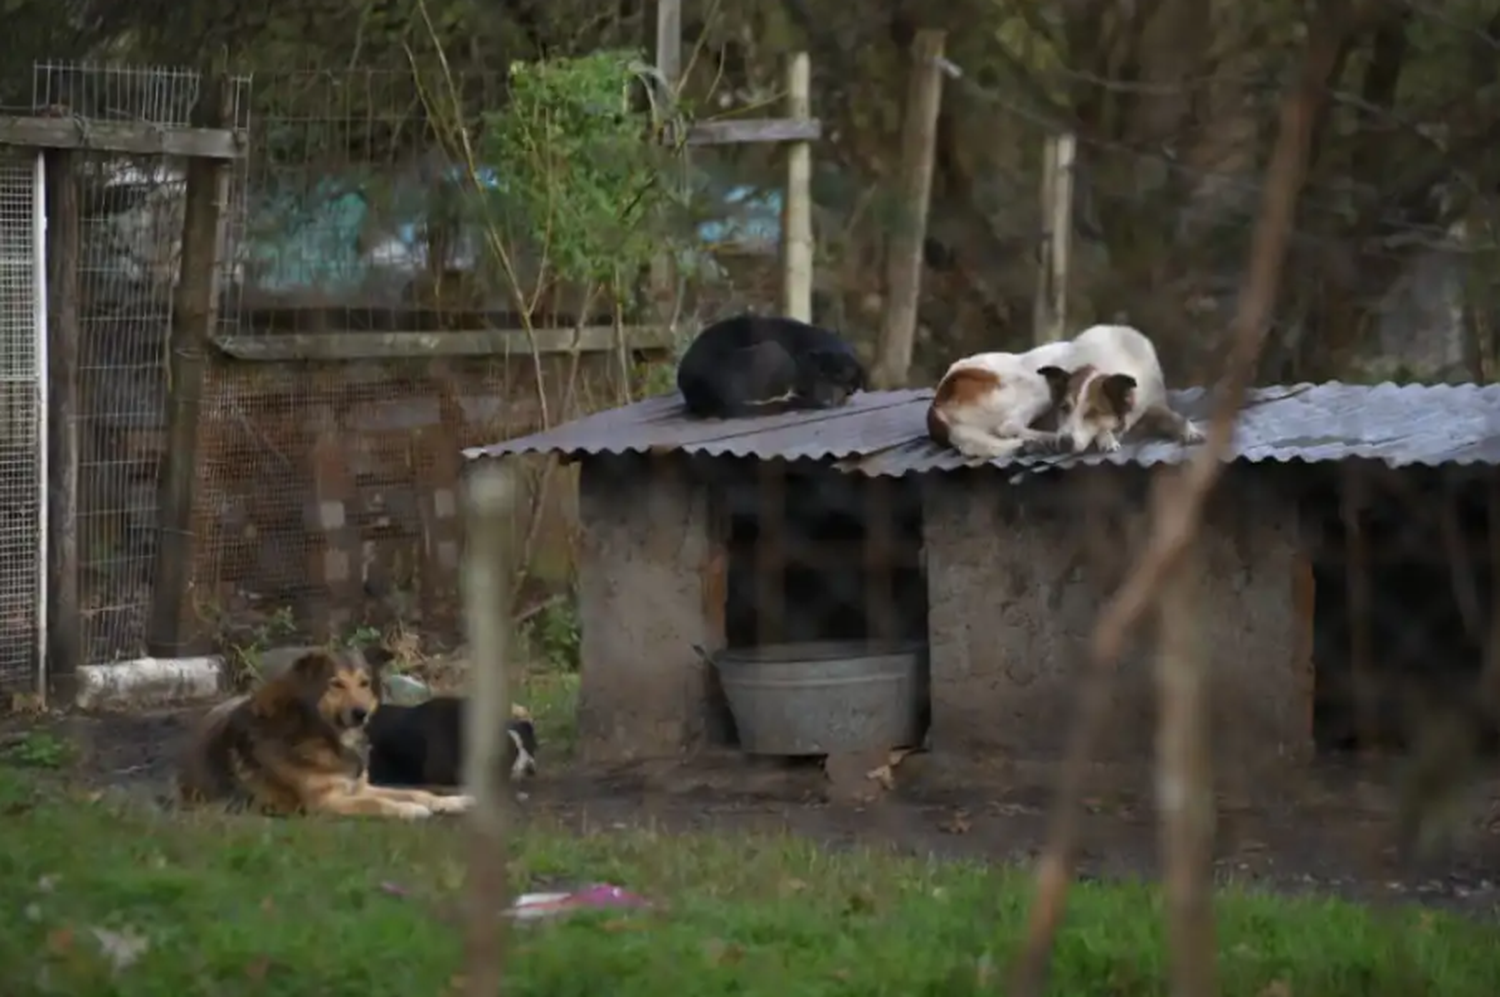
{"x":297,"y":744}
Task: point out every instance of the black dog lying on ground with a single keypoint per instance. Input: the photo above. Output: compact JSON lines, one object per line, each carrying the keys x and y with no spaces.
{"x":423,"y":745}
{"x":757,"y":365}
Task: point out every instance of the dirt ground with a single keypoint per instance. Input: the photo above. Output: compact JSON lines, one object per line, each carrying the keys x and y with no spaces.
{"x":1330,"y":834}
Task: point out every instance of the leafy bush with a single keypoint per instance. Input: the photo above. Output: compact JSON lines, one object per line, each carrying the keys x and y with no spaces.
{"x":555,"y":636}
{"x":579,"y":167}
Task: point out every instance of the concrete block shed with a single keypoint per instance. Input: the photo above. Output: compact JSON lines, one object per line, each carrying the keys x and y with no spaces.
{"x":850,"y":524}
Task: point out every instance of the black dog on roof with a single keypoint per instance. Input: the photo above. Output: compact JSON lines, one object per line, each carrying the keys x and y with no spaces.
{"x":423,"y":745}
{"x":757,"y":365}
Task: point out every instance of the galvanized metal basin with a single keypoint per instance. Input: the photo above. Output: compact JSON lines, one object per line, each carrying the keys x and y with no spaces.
{"x":826,"y":696}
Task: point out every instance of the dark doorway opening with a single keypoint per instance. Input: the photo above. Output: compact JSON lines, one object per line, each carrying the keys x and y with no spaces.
{"x":1404,"y":607}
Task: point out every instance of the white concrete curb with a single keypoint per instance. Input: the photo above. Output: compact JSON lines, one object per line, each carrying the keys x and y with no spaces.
{"x":148,"y":681}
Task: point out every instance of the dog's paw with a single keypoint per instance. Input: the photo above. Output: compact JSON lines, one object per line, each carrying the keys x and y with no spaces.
{"x":1046,"y":446}
{"x":1109,"y":444}
{"x":411,"y":811}
{"x":1192,"y":434}
{"x":453,"y":804}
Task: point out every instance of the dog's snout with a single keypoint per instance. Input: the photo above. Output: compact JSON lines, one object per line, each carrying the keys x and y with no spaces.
{"x":358,"y":715}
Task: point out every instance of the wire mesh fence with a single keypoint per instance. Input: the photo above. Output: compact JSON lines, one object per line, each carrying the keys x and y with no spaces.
{"x":338,"y":227}
{"x":328,"y":499}
{"x":22,"y":411}
{"x":131,"y":228}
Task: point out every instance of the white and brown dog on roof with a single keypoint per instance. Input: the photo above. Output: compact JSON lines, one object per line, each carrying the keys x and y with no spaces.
{"x":1097,"y":386}
{"x":986,"y":406}
{"x":1114,"y":383}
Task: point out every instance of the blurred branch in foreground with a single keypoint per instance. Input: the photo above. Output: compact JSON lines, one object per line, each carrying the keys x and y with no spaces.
{"x":491,"y":500}
{"x":1178,"y":508}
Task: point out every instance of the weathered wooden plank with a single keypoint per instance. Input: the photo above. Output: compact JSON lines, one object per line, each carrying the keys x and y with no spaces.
{"x":276,"y":320}
{"x":661,"y":272}
{"x":905,"y":246}
{"x":796,"y":218}
{"x":195,"y":312}
{"x":740,"y":131}
{"x":64,"y":650}
{"x":134,"y":137}
{"x":401,"y":345}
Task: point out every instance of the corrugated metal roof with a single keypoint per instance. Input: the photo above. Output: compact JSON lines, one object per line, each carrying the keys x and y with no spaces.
{"x":884,"y":433}
{"x":872,"y":421}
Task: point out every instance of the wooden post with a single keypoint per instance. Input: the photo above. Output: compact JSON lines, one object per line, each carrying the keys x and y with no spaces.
{"x":881,"y":609}
{"x":194,"y":311}
{"x":796,"y":222}
{"x":1041,"y":301}
{"x":770,"y":554}
{"x":669,"y":43}
{"x":1185,"y":802}
{"x":903,"y":261}
{"x":669,"y":68}
{"x":1050,"y":311}
{"x":64,"y":623}
{"x":1475,"y":230}
{"x":718,"y":728}
{"x":1489,"y":675}
{"x":490,"y":508}
{"x":1354,"y":499}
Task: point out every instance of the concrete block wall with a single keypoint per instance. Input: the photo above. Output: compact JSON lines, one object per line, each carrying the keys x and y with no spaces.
{"x":1014,"y":592}
{"x":650,"y":588}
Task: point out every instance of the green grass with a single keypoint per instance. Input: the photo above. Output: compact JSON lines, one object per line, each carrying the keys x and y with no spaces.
{"x":39,"y":749}
{"x":206,"y":904}
{"x":552,"y":698}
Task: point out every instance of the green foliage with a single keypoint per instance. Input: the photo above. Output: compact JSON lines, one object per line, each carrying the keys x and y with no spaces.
{"x":579,"y":167}
{"x":39,"y":749}
{"x":655,"y":377}
{"x":552,"y":699}
{"x":555,"y":635}
{"x":362,"y":637}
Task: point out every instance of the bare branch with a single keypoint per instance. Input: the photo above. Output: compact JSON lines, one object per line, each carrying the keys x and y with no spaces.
{"x":1179,"y":508}
{"x":1184,"y":783}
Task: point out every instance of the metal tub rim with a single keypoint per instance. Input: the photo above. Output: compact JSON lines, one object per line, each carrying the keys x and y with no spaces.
{"x":819,"y":651}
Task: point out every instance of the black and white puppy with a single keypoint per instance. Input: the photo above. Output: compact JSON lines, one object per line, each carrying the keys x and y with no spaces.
{"x":423,"y":745}
{"x":757,"y":365}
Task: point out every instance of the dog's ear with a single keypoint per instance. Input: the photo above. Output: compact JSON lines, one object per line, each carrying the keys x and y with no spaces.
{"x":308,"y":675}
{"x":1119,"y":392}
{"x":1057,"y":380}
{"x":313,"y":669}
